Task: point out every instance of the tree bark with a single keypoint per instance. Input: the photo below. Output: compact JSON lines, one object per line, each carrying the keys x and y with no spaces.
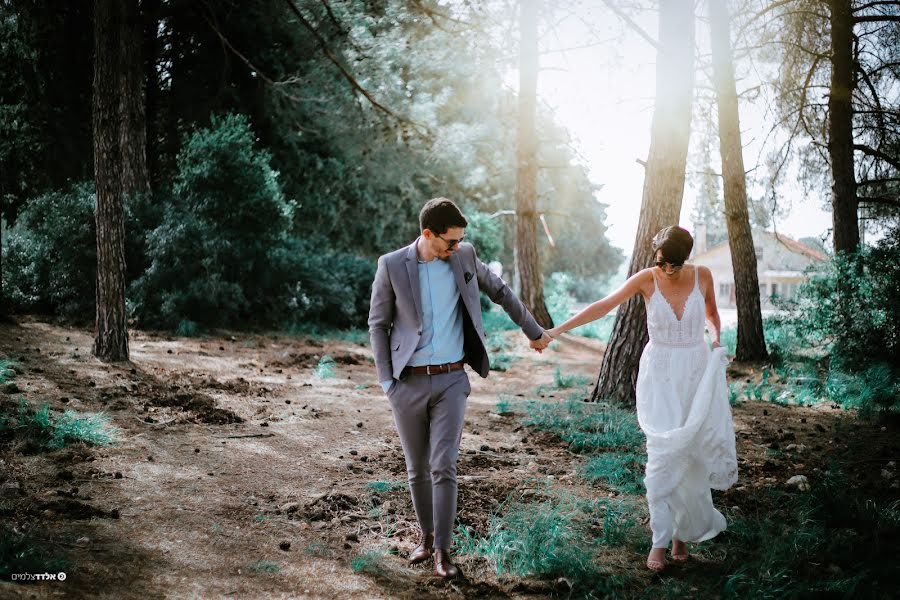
{"x":132,"y":130}
{"x":751,"y":343}
{"x":111,"y":333}
{"x":662,"y":193}
{"x":528,"y":265}
{"x":844,"y":204}
{"x":150,"y":10}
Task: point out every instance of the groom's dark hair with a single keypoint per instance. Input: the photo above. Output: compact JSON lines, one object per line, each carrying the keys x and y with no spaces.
{"x":440,"y":214}
{"x":675,"y":243}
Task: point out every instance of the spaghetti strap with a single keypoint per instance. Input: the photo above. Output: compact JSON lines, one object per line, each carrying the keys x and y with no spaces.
{"x":655,"y":285}
{"x":696,"y":277}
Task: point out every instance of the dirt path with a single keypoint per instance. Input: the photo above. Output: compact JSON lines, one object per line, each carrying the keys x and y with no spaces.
{"x":240,"y":472}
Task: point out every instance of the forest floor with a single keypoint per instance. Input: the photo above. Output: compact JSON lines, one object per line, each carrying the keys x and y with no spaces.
{"x":244,"y":467}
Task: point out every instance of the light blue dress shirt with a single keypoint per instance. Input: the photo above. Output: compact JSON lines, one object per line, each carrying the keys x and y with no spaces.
{"x":442,"y":319}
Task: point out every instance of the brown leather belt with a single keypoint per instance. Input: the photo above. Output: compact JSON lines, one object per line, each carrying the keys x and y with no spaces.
{"x":433,"y":369}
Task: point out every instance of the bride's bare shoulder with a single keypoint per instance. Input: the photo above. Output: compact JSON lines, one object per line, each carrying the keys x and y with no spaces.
{"x":643,"y":280}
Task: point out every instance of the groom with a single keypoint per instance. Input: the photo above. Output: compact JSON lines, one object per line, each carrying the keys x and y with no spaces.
{"x":425,"y":323}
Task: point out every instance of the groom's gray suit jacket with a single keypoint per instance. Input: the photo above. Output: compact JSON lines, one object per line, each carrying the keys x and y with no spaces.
{"x":395,"y":313}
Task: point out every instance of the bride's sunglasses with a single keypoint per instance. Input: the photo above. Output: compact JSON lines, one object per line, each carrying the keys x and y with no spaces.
{"x":674,"y":266}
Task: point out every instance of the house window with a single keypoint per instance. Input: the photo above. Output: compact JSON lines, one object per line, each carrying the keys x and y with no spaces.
{"x":774,"y":290}
{"x":759,"y":252}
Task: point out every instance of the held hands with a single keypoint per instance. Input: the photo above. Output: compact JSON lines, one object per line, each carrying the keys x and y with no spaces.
{"x":541,"y":343}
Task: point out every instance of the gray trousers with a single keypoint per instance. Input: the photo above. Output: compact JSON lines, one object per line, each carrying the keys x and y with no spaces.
{"x":429,"y":411}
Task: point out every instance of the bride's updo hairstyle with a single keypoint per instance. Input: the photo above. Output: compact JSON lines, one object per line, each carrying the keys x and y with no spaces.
{"x":675,"y":243}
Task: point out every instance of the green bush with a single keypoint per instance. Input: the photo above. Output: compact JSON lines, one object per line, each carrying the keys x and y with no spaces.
{"x":318,"y":285}
{"x":484,"y":233}
{"x":211,"y":256}
{"x":557,"y":297}
{"x":839,"y":338}
{"x":852,"y":308}
{"x":223,"y":254}
{"x":50,"y":255}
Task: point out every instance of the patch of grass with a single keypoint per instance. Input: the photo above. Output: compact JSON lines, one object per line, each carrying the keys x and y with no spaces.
{"x":326,"y":369}
{"x":564,"y":382}
{"x":505,"y":404}
{"x":875,"y":392}
{"x":7,"y":370}
{"x":620,"y":525}
{"x":623,"y":471}
{"x":263,"y":566}
{"x":371,"y":562}
{"x":54,"y":432}
{"x":385,"y":486}
{"x":543,"y":539}
{"x":354,"y":335}
{"x":21,"y":553}
{"x":187,"y":328}
{"x":551,"y":539}
{"x":502,"y":361}
{"x":587,"y":426}
{"x":822,"y":543}
{"x":734,"y":392}
{"x":318,"y":549}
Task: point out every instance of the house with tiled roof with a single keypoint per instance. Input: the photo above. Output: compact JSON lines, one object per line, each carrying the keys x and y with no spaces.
{"x":782,"y":264}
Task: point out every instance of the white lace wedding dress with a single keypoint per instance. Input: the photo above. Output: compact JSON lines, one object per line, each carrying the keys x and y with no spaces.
{"x":682,"y":407}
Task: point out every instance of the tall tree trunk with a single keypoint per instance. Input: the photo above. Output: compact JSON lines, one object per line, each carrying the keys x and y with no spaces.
{"x":844,"y":213}
{"x":751,"y":343}
{"x":132,"y":129}
{"x":663,"y":190}
{"x":150,"y":10}
{"x":111,"y":333}
{"x":532,"y":287}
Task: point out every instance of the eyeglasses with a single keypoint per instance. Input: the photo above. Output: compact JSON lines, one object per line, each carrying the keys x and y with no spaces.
{"x":451,"y":243}
{"x":674,"y":267}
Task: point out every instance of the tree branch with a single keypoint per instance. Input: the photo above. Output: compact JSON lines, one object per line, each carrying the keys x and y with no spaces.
{"x":889,"y":200}
{"x":868,"y":150}
{"x":880,"y":114}
{"x":879,"y":181}
{"x":245,"y":60}
{"x":877,"y":19}
{"x":875,"y":4}
{"x":630,"y":22}
{"x":334,"y":59}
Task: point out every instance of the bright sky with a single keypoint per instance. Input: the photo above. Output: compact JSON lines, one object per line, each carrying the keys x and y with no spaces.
{"x":604,"y":95}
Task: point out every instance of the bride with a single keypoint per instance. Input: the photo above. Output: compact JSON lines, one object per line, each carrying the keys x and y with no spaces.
{"x":682,"y":397}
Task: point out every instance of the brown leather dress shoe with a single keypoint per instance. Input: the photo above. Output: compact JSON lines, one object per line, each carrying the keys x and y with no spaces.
{"x":423,"y":550}
{"x":442,"y":565}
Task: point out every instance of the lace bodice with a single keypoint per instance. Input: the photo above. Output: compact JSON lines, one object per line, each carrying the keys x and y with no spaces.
{"x":663,"y":324}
